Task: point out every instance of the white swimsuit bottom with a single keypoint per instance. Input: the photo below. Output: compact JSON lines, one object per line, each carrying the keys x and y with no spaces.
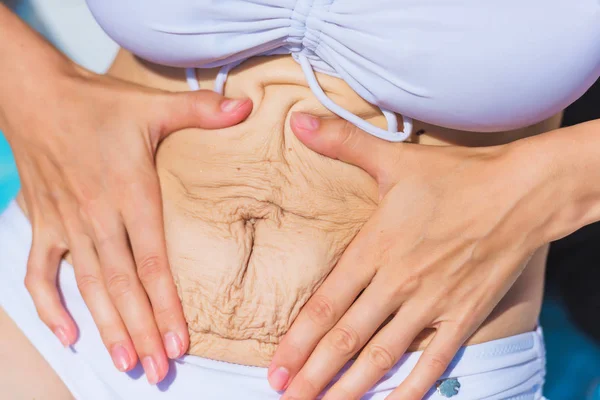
{"x":510,"y":368}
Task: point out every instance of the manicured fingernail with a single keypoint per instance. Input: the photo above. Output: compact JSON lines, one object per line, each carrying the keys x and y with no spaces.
{"x":120,"y":357}
{"x":231,"y":105}
{"x":62,"y":336}
{"x":151,"y":370}
{"x":279,"y":378}
{"x":173,"y":345}
{"x":306,"y":121}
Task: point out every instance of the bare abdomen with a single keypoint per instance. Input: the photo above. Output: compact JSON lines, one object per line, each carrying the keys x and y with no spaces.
{"x":255,"y":221}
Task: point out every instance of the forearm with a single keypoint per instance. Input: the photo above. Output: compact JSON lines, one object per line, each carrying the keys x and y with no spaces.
{"x":27,"y":63}
{"x":568,"y":162}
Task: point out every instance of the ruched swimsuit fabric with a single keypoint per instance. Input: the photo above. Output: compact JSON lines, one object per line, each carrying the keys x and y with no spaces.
{"x":462,"y":64}
{"x":511,"y":368}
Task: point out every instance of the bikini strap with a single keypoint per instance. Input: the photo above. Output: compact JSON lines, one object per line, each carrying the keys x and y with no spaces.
{"x":391,"y":135}
{"x":220,"y":80}
{"x":192,"y":80}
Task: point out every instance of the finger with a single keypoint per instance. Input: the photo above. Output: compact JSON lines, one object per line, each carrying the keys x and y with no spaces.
{"x":91,"y":286}
{"x":127,"y":293}
{"x":106,"y":317}
{"x":341,"y":140}
{"x":380,"y":355}
{"x":143,"y":218}
{"x":431,"y":365}
{"x":340,"y":344}
{"x":201,"y":109}
{"x":45,"y":256}
{"x":322,"y":312}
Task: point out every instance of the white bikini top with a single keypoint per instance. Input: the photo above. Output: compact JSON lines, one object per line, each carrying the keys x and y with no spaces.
{"x":471,"y":65}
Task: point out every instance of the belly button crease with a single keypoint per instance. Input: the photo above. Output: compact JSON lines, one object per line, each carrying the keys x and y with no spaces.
{"x":250,"y":233}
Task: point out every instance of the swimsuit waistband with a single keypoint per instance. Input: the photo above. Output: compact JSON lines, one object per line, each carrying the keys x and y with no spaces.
{"x":507,"y":368}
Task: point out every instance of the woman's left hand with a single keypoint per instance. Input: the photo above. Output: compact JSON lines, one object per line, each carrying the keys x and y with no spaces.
{"x":453,"y":231}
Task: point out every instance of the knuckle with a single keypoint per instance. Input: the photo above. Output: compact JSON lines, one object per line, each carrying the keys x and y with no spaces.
{"x":165,"y":315}
{"x":119,"y":284}
{"x":56,"y":194}
{"x":308,"y":384}
{"x":380,"y":357}
{"x":150,"y":267}
{"x":348,"y":132}
{"x":88,"y":282}
{"x":198,"y":102}
{"x":348,"y":136}
{"x":51,"y":235}
{"x":104,"y":235}
{"x":320,"y":310}
{"x":168,"y":312}
{"x":438,"y":362}
{"x":345,"y":340}
{"x":50,"y":241}
{"x":88,"y":199}
{"x":290,"y":354}
{"x":32,"y":282}
{"x":96,"y":217}
{"x":481,"y":251}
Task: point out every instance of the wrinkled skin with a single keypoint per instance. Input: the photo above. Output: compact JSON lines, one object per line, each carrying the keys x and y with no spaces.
{"x":253,"y":226}
{"x":255,"y":220}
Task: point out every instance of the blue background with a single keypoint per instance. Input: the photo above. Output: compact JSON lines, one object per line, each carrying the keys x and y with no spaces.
{"x":9,"y":181}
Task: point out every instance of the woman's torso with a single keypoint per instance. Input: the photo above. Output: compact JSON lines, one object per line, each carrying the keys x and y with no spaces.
{"x":255,"y":221}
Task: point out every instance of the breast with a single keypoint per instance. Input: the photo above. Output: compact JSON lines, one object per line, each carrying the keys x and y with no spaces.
{"x":461,"y":64}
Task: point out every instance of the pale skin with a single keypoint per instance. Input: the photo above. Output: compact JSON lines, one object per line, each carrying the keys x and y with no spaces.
{"x":334,"y":128}
{"x":86,"y":163}
{"x":430,"y":257}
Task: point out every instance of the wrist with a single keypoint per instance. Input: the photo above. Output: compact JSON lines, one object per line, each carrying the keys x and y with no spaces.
{"x":565,"y":168}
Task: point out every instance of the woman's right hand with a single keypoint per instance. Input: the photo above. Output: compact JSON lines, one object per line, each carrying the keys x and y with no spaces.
{"x":84,"y":145}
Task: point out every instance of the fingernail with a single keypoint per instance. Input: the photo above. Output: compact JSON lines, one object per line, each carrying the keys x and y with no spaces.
{"x":151,"y":370}
{"x":305,"y":121}
{"x":173,"y":345}
{"x":120,"y":357}
{"x":279,"y":378}
{"x":62,"y":336}
{"x":231,"y":105}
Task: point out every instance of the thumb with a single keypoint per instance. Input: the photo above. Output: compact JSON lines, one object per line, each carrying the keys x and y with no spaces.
{"x":200,"y":109}
{"x":341,"y":140}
